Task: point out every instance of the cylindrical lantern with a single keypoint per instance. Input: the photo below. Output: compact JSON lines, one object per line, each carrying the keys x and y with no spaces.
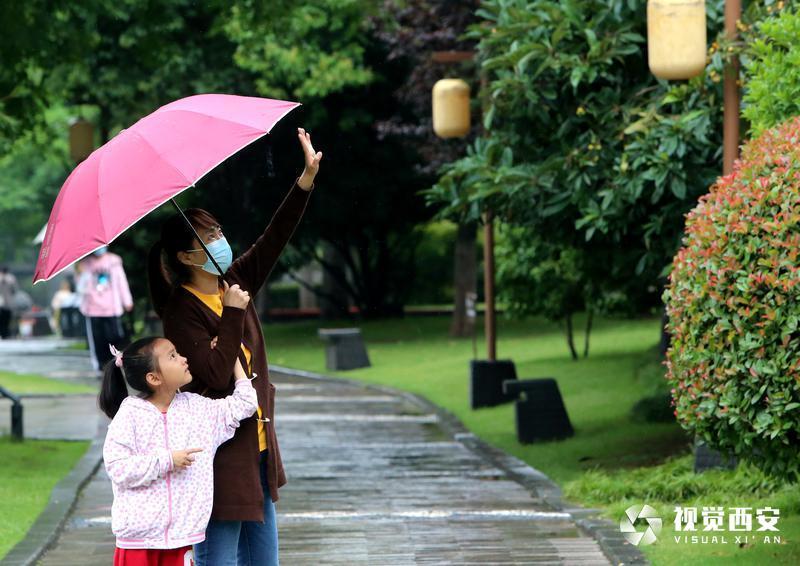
{"x":81,"y":139}
{"x":451,"y":108}
{"x":676,"y":38}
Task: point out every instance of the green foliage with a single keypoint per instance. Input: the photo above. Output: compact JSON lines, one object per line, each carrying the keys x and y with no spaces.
{"x":283,"y":296}
{"x":583,"y":144}
{"x":675,"y":482}
{"x":301,"y":50}
{"x":733,"y":310}
{"x":535,"y":276}
{"x":773,"y":68}
{"x":136,"y":55}
{"x":433,"y":264}
{"x":39,"y":36}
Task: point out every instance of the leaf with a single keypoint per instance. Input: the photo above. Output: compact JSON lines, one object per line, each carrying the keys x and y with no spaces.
{"x":678,"y":188}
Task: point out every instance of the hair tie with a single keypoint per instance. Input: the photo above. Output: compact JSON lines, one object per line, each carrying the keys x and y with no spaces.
{"x":117,"y":355}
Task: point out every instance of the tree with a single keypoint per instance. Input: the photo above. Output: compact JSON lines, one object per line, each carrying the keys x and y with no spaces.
{"x":38,"y":37}
{"x":584,"y":145}
{"x":412,"y":31}
{"x":141,"y":55}
{"x":361,"y":228}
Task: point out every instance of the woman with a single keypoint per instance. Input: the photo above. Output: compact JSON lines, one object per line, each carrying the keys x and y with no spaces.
{"x":212,"y":322}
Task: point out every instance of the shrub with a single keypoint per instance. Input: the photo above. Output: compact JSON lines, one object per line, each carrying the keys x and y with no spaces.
{"x":734,"y":308}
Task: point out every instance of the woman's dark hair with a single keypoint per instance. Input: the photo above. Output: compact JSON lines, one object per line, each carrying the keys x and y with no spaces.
{"x":71,"y":282}
{"x":138,"y":360}
{"x":164,"y":271}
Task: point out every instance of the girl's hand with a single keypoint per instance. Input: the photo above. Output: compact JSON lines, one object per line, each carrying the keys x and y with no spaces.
{"x":238,"y":371}
{"x":312,"y":159}
{"x":182,"y":459}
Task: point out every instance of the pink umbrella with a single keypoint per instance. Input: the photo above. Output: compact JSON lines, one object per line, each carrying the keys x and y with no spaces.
{"x":143,"y":167}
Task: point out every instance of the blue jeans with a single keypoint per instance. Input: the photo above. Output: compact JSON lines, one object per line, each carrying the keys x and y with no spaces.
{"x":242,"y":543}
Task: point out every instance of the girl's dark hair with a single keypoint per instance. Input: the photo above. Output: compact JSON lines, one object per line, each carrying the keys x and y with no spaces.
{"x":164,"y":271}
{"x":138,"y":360}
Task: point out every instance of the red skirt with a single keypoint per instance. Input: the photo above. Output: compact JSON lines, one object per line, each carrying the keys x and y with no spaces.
{"x":154,"y":557}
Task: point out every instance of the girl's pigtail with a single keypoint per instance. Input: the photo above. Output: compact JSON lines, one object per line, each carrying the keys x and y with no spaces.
{"x":113,"y":390}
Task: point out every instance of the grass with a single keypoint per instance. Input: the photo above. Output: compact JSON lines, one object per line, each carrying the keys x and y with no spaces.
{"x":28,"y":472}
{"x":22,"y":384}
{"x":609,"y":448}
{"x":675,"y":483}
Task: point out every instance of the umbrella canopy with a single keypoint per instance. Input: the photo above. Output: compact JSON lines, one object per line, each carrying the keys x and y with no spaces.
{"x":146,"y":165}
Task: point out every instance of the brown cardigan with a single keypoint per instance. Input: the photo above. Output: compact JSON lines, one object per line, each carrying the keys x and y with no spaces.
{"x":191,"y":325}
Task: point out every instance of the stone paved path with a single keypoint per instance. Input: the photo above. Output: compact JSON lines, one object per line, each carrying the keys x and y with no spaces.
{"x":67,"y":417}
{"x":373,"y":480}
{"x":46,"y":356}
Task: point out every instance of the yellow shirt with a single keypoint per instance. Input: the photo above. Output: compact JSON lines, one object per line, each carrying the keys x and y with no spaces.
{"x":214,"y":302}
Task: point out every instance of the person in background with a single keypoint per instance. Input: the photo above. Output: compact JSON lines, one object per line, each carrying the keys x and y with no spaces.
{"x":104,"y":297}
{"x":64,"y":298}
{"x":8,"y":287}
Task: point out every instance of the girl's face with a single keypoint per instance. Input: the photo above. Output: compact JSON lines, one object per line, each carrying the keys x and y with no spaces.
{"x":173,"y":369}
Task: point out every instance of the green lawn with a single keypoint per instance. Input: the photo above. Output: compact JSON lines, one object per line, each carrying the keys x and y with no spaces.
{"x":28,"y":472}
{"x":416,"y":354}
{"x":22,"y":384}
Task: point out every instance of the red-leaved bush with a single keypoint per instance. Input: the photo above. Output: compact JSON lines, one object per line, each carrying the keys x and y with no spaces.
{"x":733,"y":302}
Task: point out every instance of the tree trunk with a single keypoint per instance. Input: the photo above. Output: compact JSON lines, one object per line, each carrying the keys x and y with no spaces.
{"x":332,"y":309}
{"x":589,"y":319}
{"x":571,"y":338}
{"x":464,"y":279}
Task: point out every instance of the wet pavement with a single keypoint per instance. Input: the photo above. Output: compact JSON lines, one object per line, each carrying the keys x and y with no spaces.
{"x":65,"y":417}
{"x":374,"y":479}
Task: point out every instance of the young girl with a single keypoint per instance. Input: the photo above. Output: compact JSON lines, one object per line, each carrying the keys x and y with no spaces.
{"x":159,"y":451}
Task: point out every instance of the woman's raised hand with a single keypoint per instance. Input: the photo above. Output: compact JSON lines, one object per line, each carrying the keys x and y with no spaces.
{"x":235,"y":296}
{"x":312,"y":159}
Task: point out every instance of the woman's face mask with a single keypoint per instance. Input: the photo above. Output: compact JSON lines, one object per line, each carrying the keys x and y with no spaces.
{"x":221,"y":251}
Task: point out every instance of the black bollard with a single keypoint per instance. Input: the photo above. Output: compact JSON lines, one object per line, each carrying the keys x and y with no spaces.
{"x":486,"y":378}
{"x":16,"y":413}
{"x":541,"y":415}
{"x":16,"y":421}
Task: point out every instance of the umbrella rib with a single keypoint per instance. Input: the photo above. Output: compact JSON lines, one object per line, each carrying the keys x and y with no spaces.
{"x":155,"y":151}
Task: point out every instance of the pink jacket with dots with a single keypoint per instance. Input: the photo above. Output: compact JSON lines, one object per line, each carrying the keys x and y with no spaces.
{"x":156,"y":506}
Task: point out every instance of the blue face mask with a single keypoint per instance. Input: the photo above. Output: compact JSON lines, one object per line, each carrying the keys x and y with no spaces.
{"x":221,"y":251}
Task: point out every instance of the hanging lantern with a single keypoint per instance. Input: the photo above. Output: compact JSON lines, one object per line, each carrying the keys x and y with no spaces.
{"x":81,"y":140}
{"x":676,"y":38}
{"x":451,"y":117}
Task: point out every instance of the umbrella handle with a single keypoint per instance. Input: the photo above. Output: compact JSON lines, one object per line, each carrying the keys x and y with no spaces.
{"x":199,"y":239}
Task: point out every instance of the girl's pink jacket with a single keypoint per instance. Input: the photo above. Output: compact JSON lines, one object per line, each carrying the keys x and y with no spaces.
{"x":156,"y":506}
